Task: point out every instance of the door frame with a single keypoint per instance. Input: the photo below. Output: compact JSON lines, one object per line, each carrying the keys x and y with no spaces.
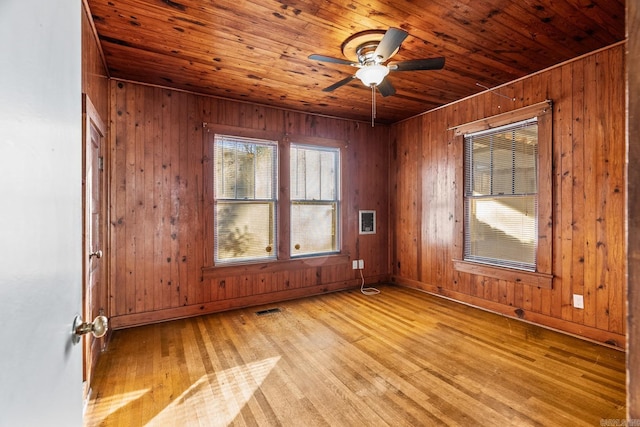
{"x":92,"y":346}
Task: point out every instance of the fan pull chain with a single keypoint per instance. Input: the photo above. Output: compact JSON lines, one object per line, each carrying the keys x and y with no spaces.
{"x":373,"y":104}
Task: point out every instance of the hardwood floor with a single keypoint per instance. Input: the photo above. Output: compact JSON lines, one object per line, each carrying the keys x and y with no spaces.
{"x":401,"y":357}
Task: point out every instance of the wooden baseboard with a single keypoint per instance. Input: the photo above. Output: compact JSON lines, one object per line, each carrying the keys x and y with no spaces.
{"x":610,"y":339}
{"x":139,"y":319}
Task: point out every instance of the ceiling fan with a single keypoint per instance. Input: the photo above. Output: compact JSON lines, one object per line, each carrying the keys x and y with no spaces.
{"x":369,"y":51}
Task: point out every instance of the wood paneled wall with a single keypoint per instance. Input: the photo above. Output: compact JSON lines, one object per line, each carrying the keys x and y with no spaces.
{"x":159,"y":206}
{"x":633,"y":186}
{"x":588,"y":180}
{"x":95,"y":79}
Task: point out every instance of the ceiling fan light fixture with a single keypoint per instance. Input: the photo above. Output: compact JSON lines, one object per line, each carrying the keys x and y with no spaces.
{"x":372,"y":75}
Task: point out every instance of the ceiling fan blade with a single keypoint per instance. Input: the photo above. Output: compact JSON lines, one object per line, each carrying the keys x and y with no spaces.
{"x":417,"y":64}
{"x":330,"y":59}
{"x":390,"y":43}
{"x":386,"y":88}
{"x":338,"y":84}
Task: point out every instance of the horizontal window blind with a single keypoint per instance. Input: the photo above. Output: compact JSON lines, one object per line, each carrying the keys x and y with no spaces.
{"x":501,"y":195}
{"x":245,"y":169}
{"x":245,"y":175}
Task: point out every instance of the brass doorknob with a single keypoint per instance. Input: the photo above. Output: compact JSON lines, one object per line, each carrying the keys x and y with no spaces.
{"x":97,"y":254}
{"x":98,"y":327}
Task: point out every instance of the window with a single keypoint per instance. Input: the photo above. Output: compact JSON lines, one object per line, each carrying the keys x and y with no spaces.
{"x":314,"y":200}
{"x":245,"y":175}
{"x":273,"y":200}
{"x":501,"y":195}
{"x":505,"y":205}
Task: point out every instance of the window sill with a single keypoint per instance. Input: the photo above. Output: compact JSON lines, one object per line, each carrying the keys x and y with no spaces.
{"x":540,"y":280}
{"x":273,"y":266}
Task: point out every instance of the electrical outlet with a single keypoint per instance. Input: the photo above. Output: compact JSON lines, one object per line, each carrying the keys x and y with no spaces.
{"x":578,"y":301}
{"x":361,"y":264}
{"x":355,"y":264}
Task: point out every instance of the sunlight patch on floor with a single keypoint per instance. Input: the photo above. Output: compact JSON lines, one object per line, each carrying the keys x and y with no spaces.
{"x":220,"y":396}
{"x":105,"y":406}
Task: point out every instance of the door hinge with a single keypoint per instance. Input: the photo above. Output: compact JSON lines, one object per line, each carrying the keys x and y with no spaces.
{"x":101,"y":163}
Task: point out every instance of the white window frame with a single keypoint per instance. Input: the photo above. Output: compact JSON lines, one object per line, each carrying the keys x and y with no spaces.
{"x":490,"y":256}
{"x":222,"y":200}
{"x":294,"y":246}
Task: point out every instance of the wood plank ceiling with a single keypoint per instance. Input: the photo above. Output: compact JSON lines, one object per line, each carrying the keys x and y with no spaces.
{"x":257,"y":50}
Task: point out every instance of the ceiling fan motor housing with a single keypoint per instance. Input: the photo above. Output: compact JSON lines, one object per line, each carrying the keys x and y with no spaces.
{"x":367,"y":54}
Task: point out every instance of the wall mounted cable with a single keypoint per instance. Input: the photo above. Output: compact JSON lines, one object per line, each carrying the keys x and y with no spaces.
{"x":367,"y":291}
{"x":495,"y":92}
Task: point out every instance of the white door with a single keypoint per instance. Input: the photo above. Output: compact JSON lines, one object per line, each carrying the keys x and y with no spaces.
{"x":40,"y":212}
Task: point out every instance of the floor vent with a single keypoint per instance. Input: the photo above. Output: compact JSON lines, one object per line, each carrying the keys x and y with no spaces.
{"x":268,"y":311}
